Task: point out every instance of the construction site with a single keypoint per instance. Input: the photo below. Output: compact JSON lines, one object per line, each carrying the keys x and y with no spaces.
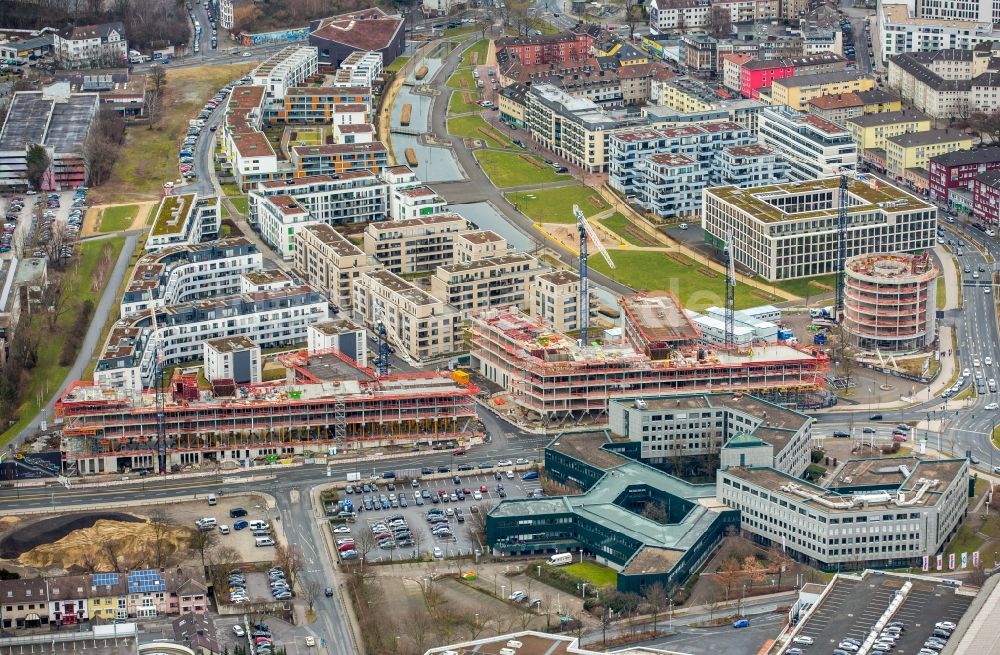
{"x":326,"y":400}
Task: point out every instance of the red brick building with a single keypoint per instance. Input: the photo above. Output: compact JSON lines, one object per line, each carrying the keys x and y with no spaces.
{"x":986,"y":197}
{"x":557,"y":49}
{"x":957,"y":170}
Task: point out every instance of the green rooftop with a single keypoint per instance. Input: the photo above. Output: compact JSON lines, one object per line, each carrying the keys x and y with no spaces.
{"x":165,"y":224}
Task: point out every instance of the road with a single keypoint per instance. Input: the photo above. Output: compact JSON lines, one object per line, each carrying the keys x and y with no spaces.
{"x":859,"y":18}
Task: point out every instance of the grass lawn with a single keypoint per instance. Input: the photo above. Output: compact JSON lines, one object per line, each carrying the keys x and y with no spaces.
{"x":397,"y":63}
{"x":479,"y":48}
{"x":695,"y":284}
{"x":507,"y":169}
{"x":462,"y":75}
{"x":624,"y":228}
{"x":241,"y":204}
{"x":542,"y":26}
{"x":477,"y":128}
{"x":462,"y":29}
{"x":458,"y":105}
{"x":77,"y":287}
{"x":556,"y":205}
{"x":149,"y":157}
{"x":966,"y":393}
{"x":231,"y":189}
{"x":965,"y":541}
{"x":942,"y":294}
{"x":602,"y":576}
{"x":805,"y":287}
{"x":118,"y":218}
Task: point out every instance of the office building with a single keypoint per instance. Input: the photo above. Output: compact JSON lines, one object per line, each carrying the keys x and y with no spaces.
{"x":490,"y":282}
{"x":233,"y":358}
{"x":417,"y":323}
{"x":814,"y":148}
{"x":573,"y":128}
{"x":786,"y":231}
{"x":417,"y":245}
{"x":184,"y":220}
{"x":330,"y":262}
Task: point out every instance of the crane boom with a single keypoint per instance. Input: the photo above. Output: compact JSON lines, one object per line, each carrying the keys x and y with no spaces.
{"x":730,"y":336}
{"x":161,"y":426}
{"x":586,"y":232}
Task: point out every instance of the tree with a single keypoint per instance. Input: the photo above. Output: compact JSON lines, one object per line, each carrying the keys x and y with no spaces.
{"x":728,"y":574}
{"x":720,"y":24}
{"x":289,"y":559}
{"x":99,"y":156}
{"x":656,"y":597}
{"x":153,"y":106}
{"x":157,"y":78}
{"x":201,"y":542}
{"x":753,"y":569}
{"x":633,"y":16}
{"x":37,"y":164}
{"x":59,"y":238}
{"x":310,"y":591}
{"x":655,"y":511}
{"x":419,"y":627}
{"x":364,"y":542}
{"x":780,"y":558}
{"x":160,"y":547}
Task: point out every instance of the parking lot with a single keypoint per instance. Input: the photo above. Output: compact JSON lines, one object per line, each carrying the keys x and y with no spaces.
{"x":852,"y":607}
{"x":410,"y":502}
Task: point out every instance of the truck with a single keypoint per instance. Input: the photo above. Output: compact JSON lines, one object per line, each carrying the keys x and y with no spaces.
{"x":136,"y":57}
{"x":561,"y":559}
{"x":821,"y":312}
{"x":785,"y":334}
{"x":819,"y":338}
{"x":353,"y":477}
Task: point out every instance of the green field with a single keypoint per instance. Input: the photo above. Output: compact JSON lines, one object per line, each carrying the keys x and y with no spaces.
{"x":602,"y":576}
{"x":462,"y":74}
{"x":480,"y":48}
{"x":460,"y":30}
{"x":941,"y":294}
{"x":508,"y":169}
{"x":118,"y":218}
{"x":621,"y":226}
{"x":77,"y":287}
{"x":556,"y":205}
{"x":965,"y":541}
{"x":458,"y":105}
{"x":397,"y":63}
{"x":809,"y":286}
{"x":695,"y":284}
{"x":477,"y":128}
{"x":241,"y":204}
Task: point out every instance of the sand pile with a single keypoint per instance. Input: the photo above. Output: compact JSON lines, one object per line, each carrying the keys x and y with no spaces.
{"x":95,"y":546}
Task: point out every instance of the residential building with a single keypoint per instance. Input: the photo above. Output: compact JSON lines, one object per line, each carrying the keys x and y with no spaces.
{"x":573,"y":128}
{"x":878,"y":101}
{"x":914,"y":149}
{"x":946,"y":84}
{"x":986,"y":198}
{"x":872,"y":130}
{"x":796,"y":91}
{"x":749,"y":11}
{"x":896,"y":510}
{"x":790,"y":230}
{"x":107,"y":598}
{"x":762,"y":72}
{"x":698,"y":54}
{"x":422,"y":326}
{"x":732,"y":65}
{"x":814,"y":148}
{"x":677,"y":15}
{"x":54,"y":118}
{"x":184,"y":220}
{"x":339,"y":158}
{"x":226,"y":14}
{"x":197,"y":632}
{"x":748,"y":166}
{"x":24,"y":603}
{"x":360,"y":69}
{"x":233,"y":358}
{"x":558,"y":49}
{"x":178,"y":274}
{"x":837,"y":109}
{"x":369,"y":30}
{"x":279,"y":209}
{"x":417,"y":245}
{"x":91,"y":46}
{"x":339,"y":106}
{"x":898,"y":30}
{"x":330,"y":262}
{"x":289,"y":67}
{"x":954,"y":173}
{"x":489,"y":282}
{"x":479,"y":244}
{"x":511,"y":100}
{"x":341,"y":335}
{"x":416,"y":202}
{"x":670,"y":184}
{"x":67,"y":596}
{"x":269,"y":318}
{"x":555,"y":299}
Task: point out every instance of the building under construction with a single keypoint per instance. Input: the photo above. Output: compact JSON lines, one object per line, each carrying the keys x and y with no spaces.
{"x":551,"y":376}
{"x":326,"y":400}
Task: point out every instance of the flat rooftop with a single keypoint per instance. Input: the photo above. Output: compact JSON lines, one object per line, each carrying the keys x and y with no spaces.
{"x":437,"y":219}
{"x":231,"y":344}
{"x":330,"y":367}
{"x":403,"y":288}
{"x":489,"y":262}
{"x":873,"y":473}
{"x":532,"y":643}
{"x":26,"y":121}
{"x":336,"y":327}
{"x":888,"y":118}
{"x":586,"y":447}
{"x":653,"y":560}
{"x":172,"y":215}
{"x":659,"y":317}
{"x":333,"y":239}
{"x":269,"y":276}
{"x":559,"y":278}
{"x":481,"y":236}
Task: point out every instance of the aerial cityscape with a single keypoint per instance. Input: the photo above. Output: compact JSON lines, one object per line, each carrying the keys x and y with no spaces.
{"x":499,"y":327}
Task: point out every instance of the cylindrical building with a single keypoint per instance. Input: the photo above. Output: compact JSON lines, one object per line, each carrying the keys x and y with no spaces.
{"x":889,"y":302}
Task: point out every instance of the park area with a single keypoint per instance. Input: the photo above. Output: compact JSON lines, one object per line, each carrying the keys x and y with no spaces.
{"x":149,"y":156}
{"x":556,"y":205}
{"x":463,"y":102}
{"x":512,"y":169}
{"x":696,"y":285}
{"x":118,"y":217}
{"x":628,"y":231}
{"x":474,"y":127}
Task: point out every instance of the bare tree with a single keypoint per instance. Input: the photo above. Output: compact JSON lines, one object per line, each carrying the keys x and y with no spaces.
{"x":160,"y":547}
{"x":420,"y":628}
{"x":656,"y":596}
{"x":720,"y":24}
{"x":201,"y":542}
{"x":153,"y":106}
{"x":633,"y":16}
{"x":288,"y":558}
{"x":58,"y":239}
{"x":157,"y":78}
{"x":753,"y":569}
{"x":728,"y":574}
{"x":225,"y":558}
{"x":310,"y":591}
{"x":364,"y":542}
{"x":779,"y":558}
{"x":655,"y":511}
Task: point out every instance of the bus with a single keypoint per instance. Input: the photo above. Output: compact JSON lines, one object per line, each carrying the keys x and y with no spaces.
{"x":561,"y":559}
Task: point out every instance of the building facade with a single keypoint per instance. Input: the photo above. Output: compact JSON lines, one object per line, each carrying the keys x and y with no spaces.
{"x":330,"y":262}
{"x":957,"y":170}
{"x":488,"y":282}
{"x":416,"y":245}
{"x":796,"y":91}
{"x":233,"y":358}
{"x":184,"y":220}
{"x":91,"y":46}
{"x":814,"y":148}
{"x":555,"y":299}
{"x":913,"y":150}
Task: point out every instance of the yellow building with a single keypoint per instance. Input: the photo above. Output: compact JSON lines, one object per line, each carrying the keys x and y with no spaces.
{"x":510,"y":101}
{"x":798,"y":90}
{"x":683,"y":95}
{"x":914,"y":150}
{"x":108,"y":597}
{"x":877,"y":101}
{"x":872,"y":130}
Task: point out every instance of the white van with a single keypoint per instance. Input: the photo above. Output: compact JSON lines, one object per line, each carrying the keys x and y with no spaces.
{"x":212,"y":500}
{"x":206,"y":522}
{"x":224,"y":529}
{"x":261,"y":542}
{"x":508,"y":651}
{"x":514,"y":643}
{"x":259,"y":525}
{"x":561,"y":559}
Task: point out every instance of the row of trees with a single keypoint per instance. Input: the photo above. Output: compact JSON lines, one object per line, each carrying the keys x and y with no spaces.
{"x":982,"y":125}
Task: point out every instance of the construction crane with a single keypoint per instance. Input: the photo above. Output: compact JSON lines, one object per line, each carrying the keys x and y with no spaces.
{"x":161,"y":426}
{"x":838,"y":310}
{"x":730,"y":337}
{"x":382,"y":359}
{"x":586,"y":231}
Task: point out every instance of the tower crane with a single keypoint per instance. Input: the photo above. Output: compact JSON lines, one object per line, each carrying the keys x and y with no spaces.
{"x":586,"y":230}
{"x":161,"y":426}
{"x":730,"y":338}
{"x":838,"y":311}
{"x":382,"y":359}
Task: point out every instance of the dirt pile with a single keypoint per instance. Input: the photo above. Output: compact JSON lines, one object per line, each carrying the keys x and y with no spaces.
{"x":131,"y":545}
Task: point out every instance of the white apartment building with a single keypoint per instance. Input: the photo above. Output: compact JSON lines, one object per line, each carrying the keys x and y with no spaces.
{"x":184,"y":273}
{"x":281,"y":208}
{"x":898,"y":30}
{"x":748,"y":166}
{"x":815,"y":148}
{"x":184,"y":220}
{"x":947,"y":84}
{"x":289,"y":67}
{"x":359,"y":69}
{"x":742,"y":429}
{"x":226,"y":14}
{"x":91,"y":46}
{"x":785,"y":231}
{"x":422,"y":326}
{"x":879,"y":512}
{"x":571,"y":127}
{"x":233,"y":358}
{"x":416,"y":245}
{"x":555,"y":299}
{"x":269,"y":318}
{"x":480,"y":244}
{"x":272,"y":279}
{"x":415,"y":202}
{"x":673,"y":15}
{"x":483,"y":283}
{"x":750,"y":11}
{"x":330,"y":262}
{"x":341,"y":335}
